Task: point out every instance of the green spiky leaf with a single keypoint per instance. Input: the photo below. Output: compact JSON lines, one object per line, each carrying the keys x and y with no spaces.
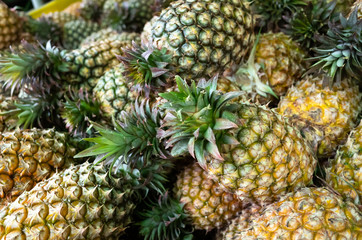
{"x":197,"y":119}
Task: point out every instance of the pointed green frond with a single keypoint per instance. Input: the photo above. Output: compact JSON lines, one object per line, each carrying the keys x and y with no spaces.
{"x":197,"y":119}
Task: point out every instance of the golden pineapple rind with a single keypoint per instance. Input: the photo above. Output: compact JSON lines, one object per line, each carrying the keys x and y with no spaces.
{"x":81,"y":202}
{"x":309,"y":213}
{"x":30,"y":156}
{"x":332,"y":111}
{"x":271,"y":159}
{"x":10,"y":27}
{"x":208,"y":205}
{"x":205,"y":37}
{"x":345,"y":173}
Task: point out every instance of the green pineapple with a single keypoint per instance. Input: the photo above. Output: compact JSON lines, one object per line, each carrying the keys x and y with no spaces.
{"x":109,"y":33}
{"x":76,"y":31}
{"x":91,"y":9}
{"x":205,"y":37}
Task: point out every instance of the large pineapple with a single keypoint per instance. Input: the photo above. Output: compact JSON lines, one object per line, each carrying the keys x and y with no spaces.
{"x":207,"y":204}
{"x":10,"y":26}
{"x":309,"y":213}
{"x":325,"y":114}
{"x":253,"y":152}
{"x":345,"y":172}
{"x":204,"y":36}
{"x":83,"y":201}
{"x":30,"y":156}
{"x":273,"y":67}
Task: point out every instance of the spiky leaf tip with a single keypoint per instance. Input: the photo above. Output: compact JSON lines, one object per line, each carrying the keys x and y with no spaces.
{"x":310,"y":21}
{"x":135,"y":134}
{"x":272,"y":12}
{"x":198,"y":119}
{"x":146,"y":66}
{"x":33,"y":65}
{"x":78,"y":109}
{"x":165,"y":219}
{"x":340,"y":50}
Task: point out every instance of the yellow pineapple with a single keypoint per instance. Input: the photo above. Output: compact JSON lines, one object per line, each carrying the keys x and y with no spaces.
{"x":10,"y":26}
{"x":345,"y":172}
{"x":325,"y":114}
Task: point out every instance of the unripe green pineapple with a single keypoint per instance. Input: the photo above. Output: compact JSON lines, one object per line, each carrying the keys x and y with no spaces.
{"x":205,"y":37}
{"x":74,"y":32}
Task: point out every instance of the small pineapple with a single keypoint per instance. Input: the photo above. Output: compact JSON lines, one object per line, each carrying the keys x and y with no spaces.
{"x":345,"y":172}
{"x":206,"y":203}
{"x":30,"y":156}
{"x":109,"y":33}
{"x":272,"y":68}
{"x":74,"y":32}
{"x":325,"y":114}
{"x":309,"y":213}
{"x":60,"y":18}
{"x":10,"y":26}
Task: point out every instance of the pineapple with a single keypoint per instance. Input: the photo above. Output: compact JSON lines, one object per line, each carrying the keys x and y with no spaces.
{"x":109,"y":33}
{"x":309,"y":213}
{"x":83,"y":201}
{"x":91,"y":9}
{"x":357,"y":5}
{"x":10,"y":27}
{"x":147,"y":30}
{"x":60,"y":18}
{"x":273,"y":67}
{"x":76,"y":31}
{"x":325,"y":114}
{"x":207,"y":204}
{"x":73,"y":9}
{"x":205,"y":37}
{"x":344,"y":174}
{"x":249,"y":150}
{"x":30,"y":156}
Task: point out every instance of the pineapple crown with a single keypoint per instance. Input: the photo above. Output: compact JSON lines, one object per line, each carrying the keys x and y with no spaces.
{"x":165,"y":219}
{"x":34,"y":65}
{"x":247,"y":76}
{"x":146,"y":66}
{"x":310,"y":21}
{"x":272,"y":11}
{"x":134,"y":135}
{"x":340,"y":50}
{"x":197,"y":118}
{"x":78,"y":109}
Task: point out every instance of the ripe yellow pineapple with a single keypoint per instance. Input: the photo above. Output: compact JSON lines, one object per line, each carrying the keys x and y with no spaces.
{"x":345,"y":172}
{"x":30,"y":156}
{"x":10,"y":26}
{"x":74,"y":9}
{"x":252,"y":152}
{"x":326,"y":115}
{"x":207,"y":204}
{"x":273,"y":67}
{"x":309,"y":213}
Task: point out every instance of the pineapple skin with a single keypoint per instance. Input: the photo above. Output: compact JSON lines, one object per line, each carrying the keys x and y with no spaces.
{"x":205,"y":37}
{"x":309,"y":213}
{"x":345,"y":172}
{"x":325,"y":114}
{"x":208,"y":205}
{"x":109,"y":33}
{"x":30,"y":156}
{"x":76,"y":31}
{"x":281,"y":61}
{"x":10,"y":27}
{"x":81,"y":202}
{"x":60,"y":18}
{"x":271,"y":158}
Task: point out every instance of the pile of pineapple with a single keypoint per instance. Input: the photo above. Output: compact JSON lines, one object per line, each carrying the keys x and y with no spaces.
{"x":184,"y":119}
